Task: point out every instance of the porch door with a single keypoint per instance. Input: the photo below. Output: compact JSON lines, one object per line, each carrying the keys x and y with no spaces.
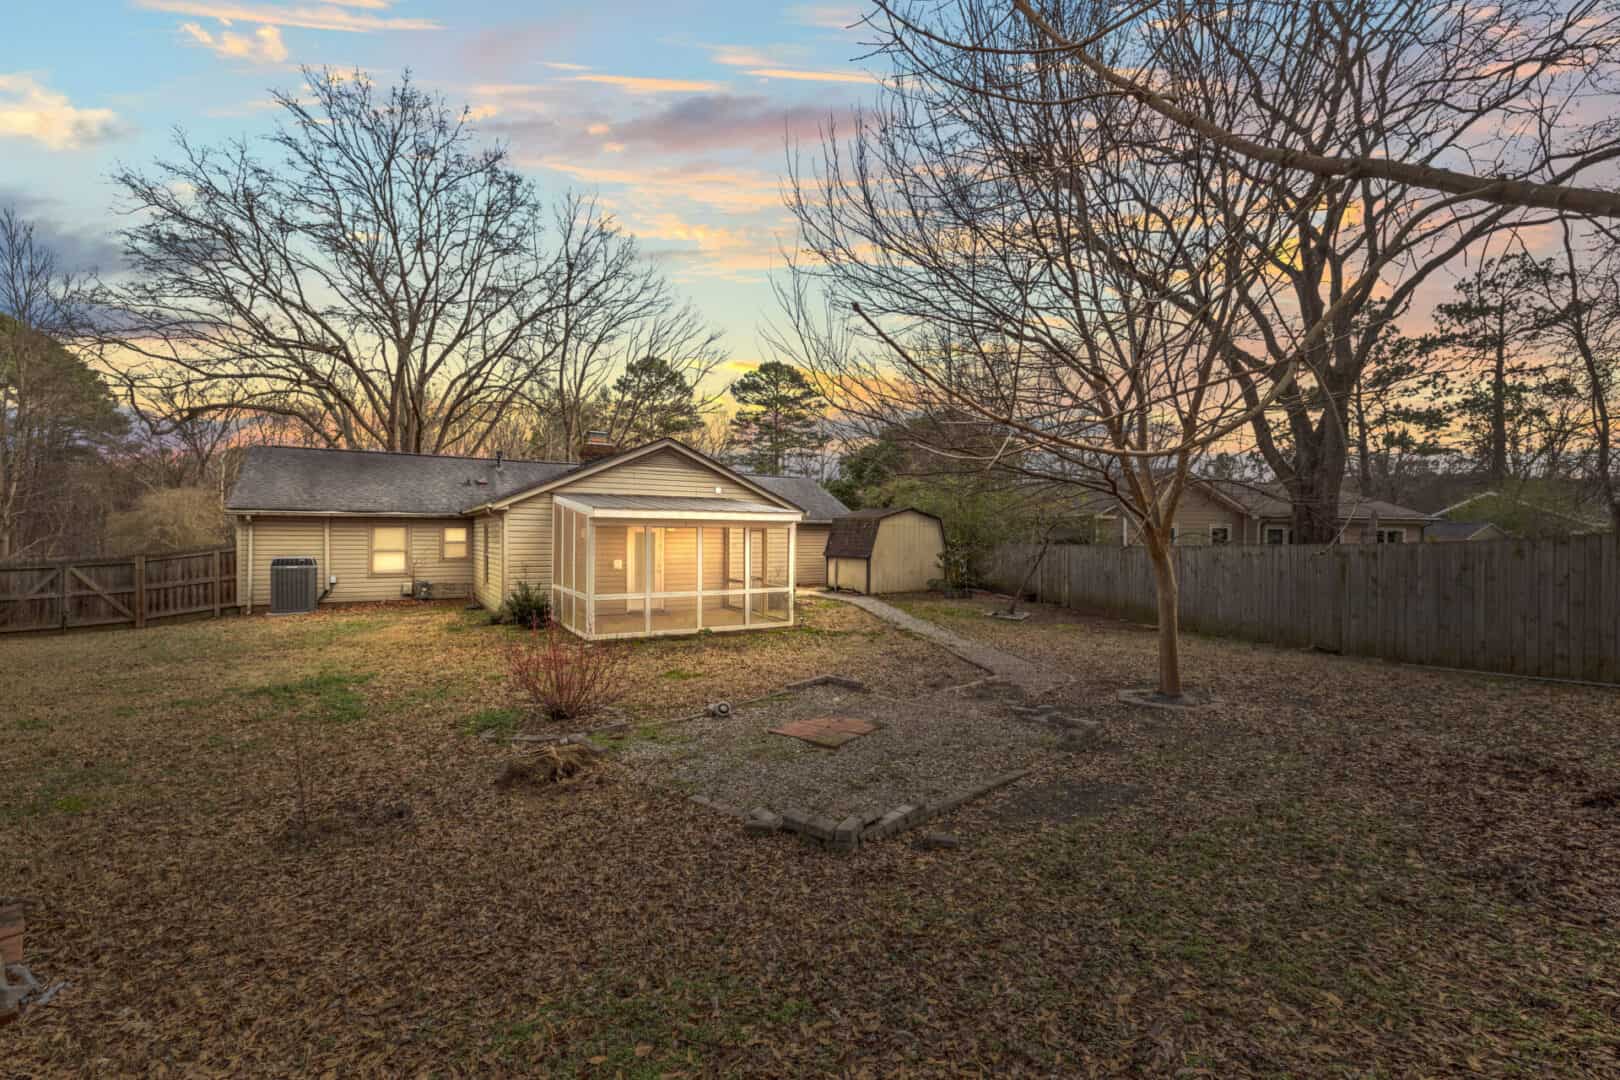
{"x":644,"y":562}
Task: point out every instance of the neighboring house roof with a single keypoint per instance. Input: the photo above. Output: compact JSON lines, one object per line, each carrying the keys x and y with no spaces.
{"x":1268,"y":500}
{"x":311,"y":480}
{"x":854,"y":534}
{"x":290,"y":479}
{"x":1464,"y":530}
{"x":818,"y":504}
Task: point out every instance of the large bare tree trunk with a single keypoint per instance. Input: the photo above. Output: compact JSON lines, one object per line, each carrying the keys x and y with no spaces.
{"x":1164,"y":578}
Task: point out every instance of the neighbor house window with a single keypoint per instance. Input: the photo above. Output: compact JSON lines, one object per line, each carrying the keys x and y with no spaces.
{"x":453,"y":543}
{"x":1392,"y":536}
{"x":1220,"y":534}
{"x":1277,"y":534}
{"x":388,"y":549}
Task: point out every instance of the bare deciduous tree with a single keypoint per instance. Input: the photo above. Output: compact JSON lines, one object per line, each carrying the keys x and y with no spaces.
{"x":614,"y":309}
{"x":386,"y":283}
{"x":1393,"y":137}
{"x":1583,"y":331}
{"x":1044,"y":287}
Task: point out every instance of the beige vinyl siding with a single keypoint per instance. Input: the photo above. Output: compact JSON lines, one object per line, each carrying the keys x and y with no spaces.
{"x":450,"y":577}
{"x":847,"y":574}
{"x":1360,"y":530}
{"x":905,"y":556}
{"x":491,"y":592}
{"x":1198,"y":512}
{"x":663,"y":473}
{"x":350,"y":543}
{"x":528,"y":542}
{"x":1195,"y":514}
{"x":275,"y":538}
{"x":812,"y":555}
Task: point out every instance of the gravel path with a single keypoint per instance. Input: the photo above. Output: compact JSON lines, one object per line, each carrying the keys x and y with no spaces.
{"x":1030,"y":678}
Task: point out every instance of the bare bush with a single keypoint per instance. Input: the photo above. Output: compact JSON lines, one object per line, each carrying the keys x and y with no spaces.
{"x":563,"y":678}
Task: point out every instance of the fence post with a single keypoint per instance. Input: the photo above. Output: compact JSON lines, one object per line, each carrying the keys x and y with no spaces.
{"x":140,"y":591}
{"x":215,"y":586}
{"x":62,"y":593}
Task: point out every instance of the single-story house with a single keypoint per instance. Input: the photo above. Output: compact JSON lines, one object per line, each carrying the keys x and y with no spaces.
{"x":660,"y":539}
{"x":1454,"y":532}
{"x":1227,"y":512}
{"x":885,"y":550}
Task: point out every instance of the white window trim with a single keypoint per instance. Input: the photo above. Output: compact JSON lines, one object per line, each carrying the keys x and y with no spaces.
{"x":1286,"y":530}
{"x":404,"y":551}
{"x":445,"y":542}
{"x":1379,"y":534}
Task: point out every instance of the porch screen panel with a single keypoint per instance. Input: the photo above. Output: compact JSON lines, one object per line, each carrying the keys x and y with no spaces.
{"x":671,"y":614}
{"x":581,"y":580}
{"x":776,"y":557}
{"x":680,"y":560}
{"x":723,"y":609}
{"x":716,"y":545}
{"x":612,"y":549}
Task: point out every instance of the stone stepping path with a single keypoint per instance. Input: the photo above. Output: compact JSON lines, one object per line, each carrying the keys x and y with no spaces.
{"x":1031,"y":678}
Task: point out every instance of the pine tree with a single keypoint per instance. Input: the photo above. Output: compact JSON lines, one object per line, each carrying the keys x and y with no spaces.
{"x":650,"y":400}
{"x":779,"y":421}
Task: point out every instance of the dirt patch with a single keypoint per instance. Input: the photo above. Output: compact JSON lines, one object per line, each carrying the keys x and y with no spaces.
{"x":1058,"y":801}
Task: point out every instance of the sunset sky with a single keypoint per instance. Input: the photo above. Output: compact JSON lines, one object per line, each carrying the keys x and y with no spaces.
{"x":677,"y":112}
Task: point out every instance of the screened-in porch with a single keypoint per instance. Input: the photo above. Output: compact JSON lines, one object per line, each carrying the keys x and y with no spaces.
{"x":642,"y":565}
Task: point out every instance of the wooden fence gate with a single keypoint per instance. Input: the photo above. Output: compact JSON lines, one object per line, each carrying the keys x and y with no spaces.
{"x":1549,"y":608}
{"x":77,"y":593}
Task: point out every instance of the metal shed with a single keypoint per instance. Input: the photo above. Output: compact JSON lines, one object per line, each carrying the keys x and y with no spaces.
{"x":885,"y":550}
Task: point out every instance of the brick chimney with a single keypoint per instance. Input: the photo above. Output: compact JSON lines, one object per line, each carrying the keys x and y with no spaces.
{"x":596,"y":445}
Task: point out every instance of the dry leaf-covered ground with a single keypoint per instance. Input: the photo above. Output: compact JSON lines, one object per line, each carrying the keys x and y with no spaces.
{"x":1344,"y":868}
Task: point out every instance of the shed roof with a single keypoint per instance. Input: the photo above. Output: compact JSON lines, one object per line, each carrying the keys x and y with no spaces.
{"x":854,"y":534}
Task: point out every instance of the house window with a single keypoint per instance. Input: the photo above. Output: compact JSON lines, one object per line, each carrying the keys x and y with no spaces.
{"x":388,"y":550}
{"x":1175,"y":534}
{"x":453,"y":542}
{"x":1220,"y":534}
{"x":1278,"y":534}
{"x":1392,"y":536}
{"x":486,"y":553}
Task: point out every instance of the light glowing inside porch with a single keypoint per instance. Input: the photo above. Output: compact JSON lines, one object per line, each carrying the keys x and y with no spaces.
{"x":660,"y":572}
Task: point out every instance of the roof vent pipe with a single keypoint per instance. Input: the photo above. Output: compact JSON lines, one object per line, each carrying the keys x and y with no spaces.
{"x":500,"y":455}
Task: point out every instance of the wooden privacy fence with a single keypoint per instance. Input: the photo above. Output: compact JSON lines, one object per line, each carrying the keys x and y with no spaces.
{"x":105,"y":592}
{"x":1548,"y":608}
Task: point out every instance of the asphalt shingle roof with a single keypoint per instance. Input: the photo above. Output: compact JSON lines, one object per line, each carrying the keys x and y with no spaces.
{"x":854,"y":534}
{"x":290,"y":479}
{"x":818,"y":504}
{"x":1269,"y":501}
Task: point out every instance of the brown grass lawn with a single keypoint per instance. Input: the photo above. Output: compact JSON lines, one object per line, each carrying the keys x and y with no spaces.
{"x":1344,"y":868}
